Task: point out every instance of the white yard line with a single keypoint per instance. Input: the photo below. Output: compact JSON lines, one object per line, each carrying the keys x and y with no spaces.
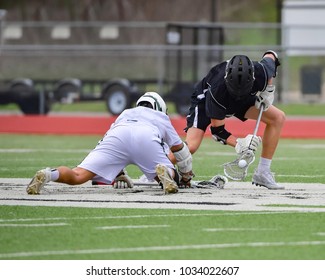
{"x":44,"y":150}
{"x":320,"y":233}
{"x":236,"y":229}
{"x":33,"y":225}
{"x":141,"y":216}
{"x":161,"y":248}
{"x":133,"y":227}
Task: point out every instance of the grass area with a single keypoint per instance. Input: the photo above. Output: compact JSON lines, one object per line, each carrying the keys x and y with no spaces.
{"x":158,"y":234}
{"x":22,"y":155}
{"x":313,"y":109}
{"x":140,"y":234}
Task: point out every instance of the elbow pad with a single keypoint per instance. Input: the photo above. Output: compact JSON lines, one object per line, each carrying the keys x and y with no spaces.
{"x":184,"y":159}
{"x":220,"y":134}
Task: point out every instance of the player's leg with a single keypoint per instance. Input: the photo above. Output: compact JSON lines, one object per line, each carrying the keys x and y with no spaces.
{"x":274,"y":119}
{"x":194,"y":137}
{"x":74,"y":176}
{"x":197,"y":123}
{"x":61,"y":174}
{"x":153,"y":162}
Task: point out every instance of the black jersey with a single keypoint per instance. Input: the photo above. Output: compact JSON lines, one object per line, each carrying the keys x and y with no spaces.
{"x":219,"y":104}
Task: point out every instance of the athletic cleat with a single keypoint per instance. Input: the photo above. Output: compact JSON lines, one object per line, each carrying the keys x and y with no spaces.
{"x":266,"y":179}
{"x":39,"y":180}
{"x":169,"y":185}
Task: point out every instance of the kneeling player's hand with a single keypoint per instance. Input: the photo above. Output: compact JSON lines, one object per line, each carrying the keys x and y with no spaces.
{"x":185,"y":181}
{"x":123,"y":182}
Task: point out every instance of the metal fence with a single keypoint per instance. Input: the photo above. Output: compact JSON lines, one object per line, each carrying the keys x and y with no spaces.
{"x":153,"y":51}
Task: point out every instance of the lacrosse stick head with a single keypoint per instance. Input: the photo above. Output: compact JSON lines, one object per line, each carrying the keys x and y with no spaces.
{"x":216,"y":182}
{"x":233,"y":169}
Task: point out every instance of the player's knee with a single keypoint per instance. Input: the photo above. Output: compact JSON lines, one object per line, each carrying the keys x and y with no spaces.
{"x":192,"y":147}
{"x":276,"y":119}
{"x":280,"y":118}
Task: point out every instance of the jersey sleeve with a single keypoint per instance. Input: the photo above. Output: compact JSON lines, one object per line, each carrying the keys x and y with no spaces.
{"x":171,"y":136}
{"x":269,"y":65}
{"x":261,"y":78}
{"x":167,"y":132}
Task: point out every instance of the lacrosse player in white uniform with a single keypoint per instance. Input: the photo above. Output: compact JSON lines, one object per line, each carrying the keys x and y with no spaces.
{"x":138,"y":136}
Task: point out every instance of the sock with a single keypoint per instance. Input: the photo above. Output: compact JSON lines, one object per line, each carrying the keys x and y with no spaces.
{"x":264,"y":164}
{"x":54,"y":174}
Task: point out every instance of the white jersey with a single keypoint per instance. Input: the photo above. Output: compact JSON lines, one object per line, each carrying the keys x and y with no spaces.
{"x":138,"y":136}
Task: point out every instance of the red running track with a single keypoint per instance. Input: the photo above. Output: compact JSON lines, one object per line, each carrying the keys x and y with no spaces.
{"x":94,"y":125}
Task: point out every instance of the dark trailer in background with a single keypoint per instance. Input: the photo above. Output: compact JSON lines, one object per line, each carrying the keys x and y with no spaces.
{"x":192,"y":50}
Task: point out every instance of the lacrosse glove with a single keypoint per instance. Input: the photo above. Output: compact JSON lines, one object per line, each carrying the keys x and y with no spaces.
{"x":123,"y":181}
{"x":185,"y":181}
{"x":266,"y":97}
{"x":250,"y":142}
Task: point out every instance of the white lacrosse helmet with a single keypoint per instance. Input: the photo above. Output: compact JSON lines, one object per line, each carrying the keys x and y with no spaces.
{"x":155,"y":100}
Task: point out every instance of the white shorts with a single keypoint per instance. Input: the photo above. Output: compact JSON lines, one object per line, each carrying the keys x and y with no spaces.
{"x":125,"y":145}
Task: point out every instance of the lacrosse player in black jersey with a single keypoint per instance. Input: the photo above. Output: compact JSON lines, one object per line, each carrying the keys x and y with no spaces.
{"x":238,"y":87}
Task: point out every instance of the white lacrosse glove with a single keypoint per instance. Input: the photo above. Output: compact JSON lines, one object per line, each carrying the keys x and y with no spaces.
{"x":123,"y":181}
{"x":266,"y":97}
{"x":250,"y":142}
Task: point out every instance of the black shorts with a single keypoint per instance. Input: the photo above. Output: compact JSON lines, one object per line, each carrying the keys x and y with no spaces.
{"x":198,"y":118}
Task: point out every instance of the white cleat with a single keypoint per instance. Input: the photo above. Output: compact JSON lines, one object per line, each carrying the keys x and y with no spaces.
{"x":39,"y":180}
{"x":266,"y":179}
{"x":167,"y":181}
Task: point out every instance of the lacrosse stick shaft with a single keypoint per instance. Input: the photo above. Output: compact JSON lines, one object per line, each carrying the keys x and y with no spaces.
{"x":258,"y":119}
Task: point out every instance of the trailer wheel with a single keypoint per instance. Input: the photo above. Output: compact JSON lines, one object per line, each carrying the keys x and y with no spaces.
{"x":28,"y":100}
{"x":67,"y":90}
{"x":117,"y":99}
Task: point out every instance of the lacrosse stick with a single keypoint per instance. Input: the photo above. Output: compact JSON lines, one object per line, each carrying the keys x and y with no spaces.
{"x":218,"y":182}
{"x":237,"y":169}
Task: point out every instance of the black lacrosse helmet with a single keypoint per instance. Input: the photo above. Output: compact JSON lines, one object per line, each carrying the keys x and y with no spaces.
{"x":239,"y":76}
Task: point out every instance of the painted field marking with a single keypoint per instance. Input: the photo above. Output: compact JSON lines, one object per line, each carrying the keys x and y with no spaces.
{"x":143,"y":216}
{"x":44,"y":150}
{"x":305,"y":146}
{"x":161,"y":248}
{"x":320,"y":233}
{"x":133,"y":227}
{"x":300,"y":176}
{"x":34,"y":225}
{"x":236,"y":229}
